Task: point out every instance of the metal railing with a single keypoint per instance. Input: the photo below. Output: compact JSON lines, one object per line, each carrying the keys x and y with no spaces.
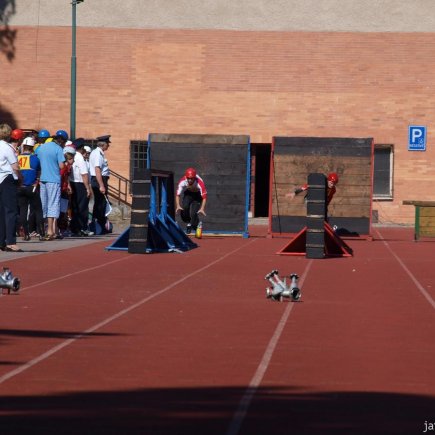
{"x":119,"y":188}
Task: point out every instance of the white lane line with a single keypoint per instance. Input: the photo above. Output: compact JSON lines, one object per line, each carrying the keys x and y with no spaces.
{"x":245,"y":402}
{"x":121,"y":313}
{"x":410,"y":274}
{"x":78,"y":272}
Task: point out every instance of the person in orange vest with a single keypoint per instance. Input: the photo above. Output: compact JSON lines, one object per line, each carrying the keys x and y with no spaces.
{"x":28,"y":195}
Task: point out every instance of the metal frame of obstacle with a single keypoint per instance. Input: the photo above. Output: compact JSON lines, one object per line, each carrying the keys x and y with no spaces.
{"x":293,"y":158}
{"x":152,"y":227}
{"x":207,"y":153}
{"x":317,"y":239}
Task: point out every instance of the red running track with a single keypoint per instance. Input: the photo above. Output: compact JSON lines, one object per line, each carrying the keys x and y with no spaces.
{"x":104,"y":342}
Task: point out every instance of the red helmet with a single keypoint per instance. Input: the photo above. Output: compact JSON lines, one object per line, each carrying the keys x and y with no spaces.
{"x":332,"y":176}
{"x":190,"y":173}
{"x":17,"y":134}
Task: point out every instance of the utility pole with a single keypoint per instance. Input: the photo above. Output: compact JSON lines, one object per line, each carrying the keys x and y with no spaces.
{"x":74,"y":3}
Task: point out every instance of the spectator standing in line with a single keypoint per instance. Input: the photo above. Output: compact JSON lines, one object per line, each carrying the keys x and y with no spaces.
{"x":52,"y":161}
{"x":10,"y":176}
{"x":86,"y":155}
{"x":61,"y":137}
{"x":99,"y":170}
{"x":28,"y":196}
{"x":17,"y":136}
{"x":42,"y":137}
{"x":65,"y":191}
{"x":81,"y":191}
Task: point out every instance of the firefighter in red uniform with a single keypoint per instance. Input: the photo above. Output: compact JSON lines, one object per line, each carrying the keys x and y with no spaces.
{"x":192,"y":188}
{"x":330,"y":191}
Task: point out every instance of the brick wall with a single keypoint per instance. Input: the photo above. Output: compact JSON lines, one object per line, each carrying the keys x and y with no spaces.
{"x":264,"y":84}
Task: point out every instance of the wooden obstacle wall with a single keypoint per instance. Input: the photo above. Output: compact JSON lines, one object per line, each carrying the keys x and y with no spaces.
{"x":293,"y":158}
{"x":223,"y":161}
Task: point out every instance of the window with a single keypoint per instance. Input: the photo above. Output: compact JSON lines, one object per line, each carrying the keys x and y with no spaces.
{"x":138,"y":155}
{"x":383,"y":172}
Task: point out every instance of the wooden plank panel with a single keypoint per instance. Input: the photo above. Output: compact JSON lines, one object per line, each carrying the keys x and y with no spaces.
{"x":295,"y":158}
{"x":222,"y":161}
{"x":419,"y":203}
{"x":427,"y":212}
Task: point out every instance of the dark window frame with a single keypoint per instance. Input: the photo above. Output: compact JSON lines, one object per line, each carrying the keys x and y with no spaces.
{"x":383,"y":171}
{"x":138,"y":155}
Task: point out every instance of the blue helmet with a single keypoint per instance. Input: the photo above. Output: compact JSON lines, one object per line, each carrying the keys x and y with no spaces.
{"x":44,"y":134}
{"x":62,"y":133}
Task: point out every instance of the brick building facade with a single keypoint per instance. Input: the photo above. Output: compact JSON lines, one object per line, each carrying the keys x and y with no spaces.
{"x":262,"y":83}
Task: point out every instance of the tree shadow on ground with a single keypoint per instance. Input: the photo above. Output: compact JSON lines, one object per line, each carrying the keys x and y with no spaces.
{"x":210,"y":411}
{"x":7,"y":35}
{"x":7,"y":117}
{"x":8,"y":334}
{"x":53,"y":334}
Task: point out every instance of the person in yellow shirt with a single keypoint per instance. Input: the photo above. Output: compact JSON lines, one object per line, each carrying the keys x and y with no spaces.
{"x":43,"y":136}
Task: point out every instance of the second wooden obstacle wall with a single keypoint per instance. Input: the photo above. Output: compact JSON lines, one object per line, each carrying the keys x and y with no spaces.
{"x":223,"y":161}
{"x":293,"y":158}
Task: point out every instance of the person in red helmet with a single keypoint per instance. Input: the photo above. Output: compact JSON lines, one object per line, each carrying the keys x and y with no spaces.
{"x":332,"y":179}
{"x":17,"y":136}
{"x":194,"y":198}
{"x":332,"y":182}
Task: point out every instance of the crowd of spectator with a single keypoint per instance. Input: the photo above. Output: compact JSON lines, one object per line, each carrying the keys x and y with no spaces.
{"x":46,"y":182}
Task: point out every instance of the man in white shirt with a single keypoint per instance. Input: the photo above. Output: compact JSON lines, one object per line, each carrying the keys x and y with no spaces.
{"x":81,"y":191}
{"x":99,"y":171}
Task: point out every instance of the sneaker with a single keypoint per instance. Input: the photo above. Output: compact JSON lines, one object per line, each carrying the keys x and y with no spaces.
{"x":188,"y":229}
{"x":86,"y":233}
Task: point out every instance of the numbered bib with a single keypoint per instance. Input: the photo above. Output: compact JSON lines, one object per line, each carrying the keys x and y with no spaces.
{"x":24,"y":161}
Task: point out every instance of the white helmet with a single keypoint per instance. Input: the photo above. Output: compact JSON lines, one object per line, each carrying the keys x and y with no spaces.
{"x":69,"y":149}
{"x":29,"y":141}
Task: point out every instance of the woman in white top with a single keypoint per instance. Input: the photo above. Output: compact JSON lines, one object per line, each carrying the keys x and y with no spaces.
{"x":9,"y":178}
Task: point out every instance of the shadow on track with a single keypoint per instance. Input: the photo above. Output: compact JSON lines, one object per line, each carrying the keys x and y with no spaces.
{"x":198,"y":411}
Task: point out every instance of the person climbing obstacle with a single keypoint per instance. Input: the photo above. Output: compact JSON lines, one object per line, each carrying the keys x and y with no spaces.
{"x":332,"y":180}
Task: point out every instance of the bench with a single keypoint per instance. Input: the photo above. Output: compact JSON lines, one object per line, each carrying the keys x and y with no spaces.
{"x":424,"y":225}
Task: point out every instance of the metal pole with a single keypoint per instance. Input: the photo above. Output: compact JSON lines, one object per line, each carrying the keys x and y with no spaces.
{"x":73,"y":72}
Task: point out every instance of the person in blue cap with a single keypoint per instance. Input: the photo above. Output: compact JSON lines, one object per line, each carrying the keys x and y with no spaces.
{"x":99,"y":171}
{"x":52,"y":161}
{"x":43,"y":136}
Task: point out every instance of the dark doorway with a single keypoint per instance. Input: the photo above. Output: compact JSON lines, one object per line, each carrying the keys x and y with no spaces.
{"x":261,"y":151}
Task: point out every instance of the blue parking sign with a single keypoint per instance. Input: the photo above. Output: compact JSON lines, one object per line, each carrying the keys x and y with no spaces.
{"x":417,"y":138}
